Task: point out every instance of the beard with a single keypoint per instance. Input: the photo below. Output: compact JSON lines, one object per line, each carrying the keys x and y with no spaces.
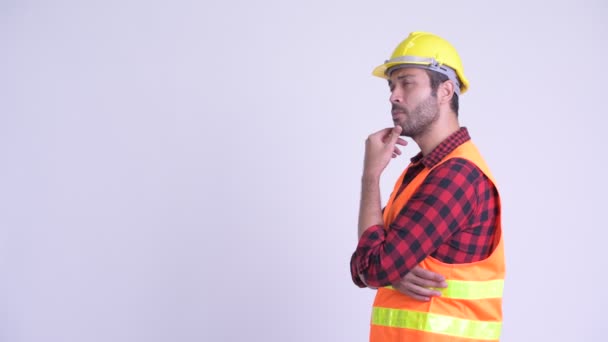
{"x":420,"y":119}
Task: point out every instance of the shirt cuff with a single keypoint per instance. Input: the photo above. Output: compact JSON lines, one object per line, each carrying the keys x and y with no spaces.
{"x":359,"y":262}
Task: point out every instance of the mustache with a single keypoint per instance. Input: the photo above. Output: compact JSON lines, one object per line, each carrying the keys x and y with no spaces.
{"x":398,"y":108}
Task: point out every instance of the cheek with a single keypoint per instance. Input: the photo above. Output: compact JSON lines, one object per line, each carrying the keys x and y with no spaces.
{"x":409,"y":101}
{"x":416,"y":98}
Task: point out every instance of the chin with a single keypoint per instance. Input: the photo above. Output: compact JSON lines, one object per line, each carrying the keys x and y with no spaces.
{"x":406,"y":132}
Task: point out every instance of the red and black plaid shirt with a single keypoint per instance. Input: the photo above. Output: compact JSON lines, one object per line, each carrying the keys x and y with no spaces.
{"x":451,"y":217}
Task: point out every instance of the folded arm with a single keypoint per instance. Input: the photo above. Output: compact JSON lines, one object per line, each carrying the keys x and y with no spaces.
{"x":438,"y":208}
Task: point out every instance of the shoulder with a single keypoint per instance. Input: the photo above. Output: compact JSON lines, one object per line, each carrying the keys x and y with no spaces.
{"x":458,"y":170}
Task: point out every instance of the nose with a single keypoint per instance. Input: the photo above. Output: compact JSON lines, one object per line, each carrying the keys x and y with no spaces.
{"x":395,"y":97}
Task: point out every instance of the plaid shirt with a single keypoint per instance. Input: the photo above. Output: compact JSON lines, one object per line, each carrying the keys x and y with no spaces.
{"x":451,"y":217}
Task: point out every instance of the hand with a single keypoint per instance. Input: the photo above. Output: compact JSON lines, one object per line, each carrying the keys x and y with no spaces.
{"x":380,"y":147}
{"x":417,"y":283}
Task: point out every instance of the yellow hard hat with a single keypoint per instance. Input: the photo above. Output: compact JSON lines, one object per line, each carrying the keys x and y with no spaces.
{"x":428,"y":51}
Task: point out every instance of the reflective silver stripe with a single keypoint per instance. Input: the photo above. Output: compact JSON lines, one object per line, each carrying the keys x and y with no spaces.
{"x":414,"y":59}
{"x":429,"y":64}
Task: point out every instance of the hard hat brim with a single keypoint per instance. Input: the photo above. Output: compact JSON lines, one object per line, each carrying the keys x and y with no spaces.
{"x":381,"y":70}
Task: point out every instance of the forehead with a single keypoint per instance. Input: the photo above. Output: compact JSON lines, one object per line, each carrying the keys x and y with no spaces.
{"x":407,"y":72}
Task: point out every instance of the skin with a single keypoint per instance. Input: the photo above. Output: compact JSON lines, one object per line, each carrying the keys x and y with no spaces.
{"x":428,"y":120}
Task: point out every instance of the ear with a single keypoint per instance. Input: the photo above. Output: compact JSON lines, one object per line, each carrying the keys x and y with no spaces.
{"x":445,"y":92}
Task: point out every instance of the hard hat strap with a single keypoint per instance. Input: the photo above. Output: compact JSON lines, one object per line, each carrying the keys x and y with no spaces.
{"x":429,"y":64}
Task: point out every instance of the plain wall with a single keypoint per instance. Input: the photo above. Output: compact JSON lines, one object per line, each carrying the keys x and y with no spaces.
{"x":190,"y":171}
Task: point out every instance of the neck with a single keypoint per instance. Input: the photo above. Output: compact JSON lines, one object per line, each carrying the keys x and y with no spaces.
{"x":437,"y":132}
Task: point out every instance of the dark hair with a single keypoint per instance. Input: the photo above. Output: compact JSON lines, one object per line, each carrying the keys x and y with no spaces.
{"x":436,"y":79}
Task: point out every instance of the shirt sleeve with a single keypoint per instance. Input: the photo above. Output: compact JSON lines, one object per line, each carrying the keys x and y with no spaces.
{"x":357,"y":262}
{"x":440,"y":206}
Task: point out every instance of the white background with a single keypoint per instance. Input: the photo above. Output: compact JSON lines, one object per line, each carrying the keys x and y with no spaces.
{"x":189,"y":171}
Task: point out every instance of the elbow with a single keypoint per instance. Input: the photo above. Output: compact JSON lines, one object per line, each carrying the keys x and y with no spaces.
{"x":367,"y":271}
{"x":376,"y":284}
{"x":371,"y":279}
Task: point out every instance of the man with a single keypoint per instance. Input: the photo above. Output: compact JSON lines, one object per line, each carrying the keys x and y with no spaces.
{"x":443,"y":217}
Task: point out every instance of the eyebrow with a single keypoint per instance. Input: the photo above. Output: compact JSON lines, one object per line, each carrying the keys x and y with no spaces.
{"x":405,"y":76}
{"x":401,"y":77}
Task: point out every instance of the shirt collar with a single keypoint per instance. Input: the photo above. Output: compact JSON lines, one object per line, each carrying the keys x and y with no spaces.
{"x":448,"y":145}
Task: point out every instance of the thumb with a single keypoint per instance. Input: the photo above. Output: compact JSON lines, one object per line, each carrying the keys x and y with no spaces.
{"x":395,"y":134}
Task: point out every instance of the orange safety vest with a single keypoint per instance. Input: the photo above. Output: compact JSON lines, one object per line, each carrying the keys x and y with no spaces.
{"x":469,"y":309}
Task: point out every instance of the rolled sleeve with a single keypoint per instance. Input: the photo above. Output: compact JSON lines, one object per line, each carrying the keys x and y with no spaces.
{"x":360,"y":260}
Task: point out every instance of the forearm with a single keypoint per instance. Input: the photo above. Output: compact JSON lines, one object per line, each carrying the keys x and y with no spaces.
{"x":433,"y":214}
{"x":370,"y":210}
{"x":379,"y":149}
{"x":367,"y":253}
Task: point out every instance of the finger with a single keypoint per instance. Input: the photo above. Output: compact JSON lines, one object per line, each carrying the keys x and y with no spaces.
{"x":427,"y":283}
{"x":403,"y":289}
{"x":401,"y":142}
{"x":424,"y":273}
{"x":395,"y":132}
{"x":416,"y":297}
{"x":397,"y":151}
{"x":384,"y":134}
{"x":392,"y":136}
{"x":421,"y":291}
{"x":436,"y":279}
